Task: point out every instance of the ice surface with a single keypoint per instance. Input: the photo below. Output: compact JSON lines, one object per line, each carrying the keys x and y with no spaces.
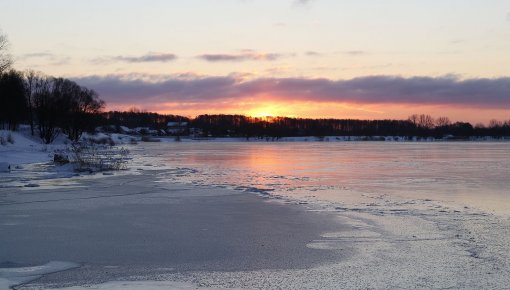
{"x":422,"y":215}
{"x":137,"y":285}
{"x":10,"y":277}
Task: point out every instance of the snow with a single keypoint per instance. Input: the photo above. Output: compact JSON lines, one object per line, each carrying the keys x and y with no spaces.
{"x":27,"y":149}
{"x":5,"y":167}
{"x":136,"y":285}
{"x":24,"y":149}
{"x":113,"y":138}
{"x":27,"y":162}
{"x":10,"y":277}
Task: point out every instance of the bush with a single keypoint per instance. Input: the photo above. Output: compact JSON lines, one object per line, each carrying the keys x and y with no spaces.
{"x":150,"y":139}
{"x":104,"y":140}
{"x":6,"y":137}
{"x":10,"y":139}
{"x":93,"y":158}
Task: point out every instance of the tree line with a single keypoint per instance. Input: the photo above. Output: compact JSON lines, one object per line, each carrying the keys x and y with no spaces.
{"x":415,"y":125}
{"x":134,"y":118}
{"x":248,"y":127}
{"x":49,"y":105}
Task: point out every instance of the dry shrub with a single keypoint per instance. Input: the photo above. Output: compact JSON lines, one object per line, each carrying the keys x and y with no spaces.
{"x":91,"y":157}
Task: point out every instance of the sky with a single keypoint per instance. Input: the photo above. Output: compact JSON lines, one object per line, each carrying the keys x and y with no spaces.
{"x":367,"y":59}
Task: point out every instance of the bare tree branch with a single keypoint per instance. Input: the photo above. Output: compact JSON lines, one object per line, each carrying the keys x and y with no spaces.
{"x":5,"y":57}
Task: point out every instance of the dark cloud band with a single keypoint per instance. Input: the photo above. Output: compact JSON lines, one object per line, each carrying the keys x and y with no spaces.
{"x":151,"y":57}
{"x":475,"y":92}
{"x":240,"y":57}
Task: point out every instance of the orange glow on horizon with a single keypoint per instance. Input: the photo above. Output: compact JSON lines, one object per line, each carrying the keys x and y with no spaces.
{"x":265,"y":111}
{"x":309,"y":109}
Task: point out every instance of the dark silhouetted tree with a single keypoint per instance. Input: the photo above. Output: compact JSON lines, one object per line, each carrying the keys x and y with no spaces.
{"x":13,"y":107}
{"x":62,"y":104}
{"x":46,"y":111}
{"x":31,"y":79}
{"x":443,"y":121}
{"x":84,"y":104}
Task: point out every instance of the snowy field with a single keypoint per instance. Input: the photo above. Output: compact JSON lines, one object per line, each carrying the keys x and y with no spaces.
{"x":414,"y":215}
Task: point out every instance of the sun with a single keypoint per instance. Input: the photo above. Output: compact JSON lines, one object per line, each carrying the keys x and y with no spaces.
{"x":264,"y":111}
{"x":261,"y":114}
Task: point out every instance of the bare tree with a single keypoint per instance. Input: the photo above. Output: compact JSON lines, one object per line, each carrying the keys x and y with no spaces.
{"x":84,"y":104}
{"x":413,"y":119}
{"x":443,"y":121}
{"x":31,"y":80}
{"x":495,"y":123}
{"x":5,"y":57}
{"x":46,"y":110}
{"x":426,"y":121}
{"x":422,"y":121}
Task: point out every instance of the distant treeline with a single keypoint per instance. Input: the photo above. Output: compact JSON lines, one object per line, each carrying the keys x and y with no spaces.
{"x":245,"y":126}
{"x":416,"y":125}
{"x":135,"y":118}
{"x":57,"y":105}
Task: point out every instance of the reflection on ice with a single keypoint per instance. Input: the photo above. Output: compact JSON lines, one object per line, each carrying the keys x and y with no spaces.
{"x":470,"y":174}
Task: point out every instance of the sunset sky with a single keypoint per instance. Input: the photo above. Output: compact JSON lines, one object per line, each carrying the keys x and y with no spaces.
{"x":369,"y":59}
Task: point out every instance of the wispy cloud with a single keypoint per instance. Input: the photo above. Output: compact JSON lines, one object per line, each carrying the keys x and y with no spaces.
{"x":355,"y":52}
{"x":245,"y":55}
{"x":37,"y":55}
{"x":150,"y":57}
{"x":313,"y":53}
{"x":457,"y":41}
{"x":46,"y":57}
{"x":302,"y":2}
{"x":448,"y":90}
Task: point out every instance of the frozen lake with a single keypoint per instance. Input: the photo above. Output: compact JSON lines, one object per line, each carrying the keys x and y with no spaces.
{"x":464,"y":174}
{"x":395,"y":216}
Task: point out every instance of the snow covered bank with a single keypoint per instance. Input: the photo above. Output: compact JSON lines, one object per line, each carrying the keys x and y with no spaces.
{"x":25,"y":161}
{"x":24,"y":149}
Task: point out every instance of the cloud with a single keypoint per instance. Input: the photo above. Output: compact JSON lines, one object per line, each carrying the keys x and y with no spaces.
{"x":313,"y":53}
{"x":245,"y":55}
{"x":355,"y":52}
{"x":50,"y":58}
{"x":302,"y":2}
{"x":457,"y":41}
{"x":508,"y":16}
{"x":150,"y":57}
{"x":37,"y":55}
{"x":448,"y":90}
